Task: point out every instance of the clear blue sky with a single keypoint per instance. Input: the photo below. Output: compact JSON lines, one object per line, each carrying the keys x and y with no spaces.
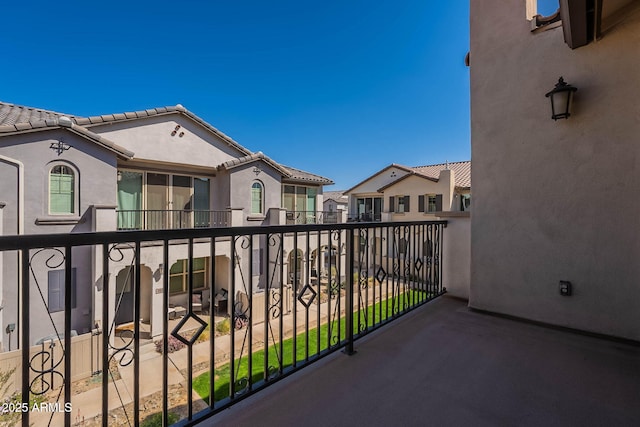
{"x":338,"y":88}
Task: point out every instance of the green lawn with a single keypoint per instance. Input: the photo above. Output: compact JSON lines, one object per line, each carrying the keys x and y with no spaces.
{"x":373,"y":314}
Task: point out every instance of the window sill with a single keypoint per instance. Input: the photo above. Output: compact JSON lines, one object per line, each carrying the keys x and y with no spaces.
{"x":256,"y":217}
{"x":59,"y":220}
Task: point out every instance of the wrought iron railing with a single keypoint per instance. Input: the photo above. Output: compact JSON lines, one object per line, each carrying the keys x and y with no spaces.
{"x":150,"y":219}
{"x":281,"y":297}
{"x":312,"y":217}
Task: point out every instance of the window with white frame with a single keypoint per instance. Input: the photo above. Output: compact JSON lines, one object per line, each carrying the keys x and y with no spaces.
{"x":62,"y":190}
{"x":257,"y":198}
{"x":179,"y":275}
{"x":403,"y":204}
{"x":430,"y":203}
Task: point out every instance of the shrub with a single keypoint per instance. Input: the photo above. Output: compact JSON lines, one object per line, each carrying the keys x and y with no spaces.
{"x":204,"y":336}
{"x":223,"y":327}
{"x":174,"y":345}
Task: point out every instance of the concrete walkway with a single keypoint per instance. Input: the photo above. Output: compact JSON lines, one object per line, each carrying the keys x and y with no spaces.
{"x":444,"y":365}
{"x":88,"y":404}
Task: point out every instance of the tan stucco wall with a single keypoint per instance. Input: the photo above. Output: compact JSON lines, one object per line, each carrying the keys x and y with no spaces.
{"x":555,"y":200}
{"x":456,"y":254}
{"x":414,"y":187}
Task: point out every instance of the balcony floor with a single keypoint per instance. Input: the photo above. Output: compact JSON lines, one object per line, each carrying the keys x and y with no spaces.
{"x":446,"y":365}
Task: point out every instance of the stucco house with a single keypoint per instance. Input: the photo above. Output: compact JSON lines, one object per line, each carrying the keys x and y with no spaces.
{"x":403,"y":193}
{"x":160,"y":168}
{"x":399,"y":193}
{"x":543,"y":245}
{"x":335,"y":206}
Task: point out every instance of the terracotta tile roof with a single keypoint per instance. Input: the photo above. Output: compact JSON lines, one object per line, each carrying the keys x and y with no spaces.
{"x":254,"y":157}
{"x":11,"y":114}
{"x":18,"y":119}
{"x":462,"y":171}
{"x":306,"y":177}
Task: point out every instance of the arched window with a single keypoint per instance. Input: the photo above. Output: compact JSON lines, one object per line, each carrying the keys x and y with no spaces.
{"x":257,"y":198}
{"x":62,"y":190}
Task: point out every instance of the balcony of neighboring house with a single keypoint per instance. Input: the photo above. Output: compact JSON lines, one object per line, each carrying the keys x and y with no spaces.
{"x":300,"y":203}
{"x":171,"y":219}
{"x":313,"y":217}
{"x":154,"y":201}
{"x":368,"y":209}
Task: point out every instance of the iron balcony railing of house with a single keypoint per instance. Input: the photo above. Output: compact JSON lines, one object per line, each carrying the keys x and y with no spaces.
{"x":366,"y":217}
{"x":128,"y":337}
{"x":312,"y":217}
{"x":171,"y":219}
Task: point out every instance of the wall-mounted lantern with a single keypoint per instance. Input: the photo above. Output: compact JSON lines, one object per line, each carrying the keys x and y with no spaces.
{"x":561,"y":97}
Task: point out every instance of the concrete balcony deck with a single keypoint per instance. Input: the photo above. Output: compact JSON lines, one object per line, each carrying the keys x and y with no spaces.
{"x":445,"y":365}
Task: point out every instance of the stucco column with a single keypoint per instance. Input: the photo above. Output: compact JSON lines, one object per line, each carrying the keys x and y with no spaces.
{"x":277,"y":216}
{"x":237,"y":218}
{"x":447,"y":179}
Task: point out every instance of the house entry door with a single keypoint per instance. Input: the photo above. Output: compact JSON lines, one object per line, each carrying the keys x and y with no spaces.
{"x":124,"y":296}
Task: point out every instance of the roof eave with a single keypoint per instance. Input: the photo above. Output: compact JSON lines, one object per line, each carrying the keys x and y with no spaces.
{"x":75,"y":129}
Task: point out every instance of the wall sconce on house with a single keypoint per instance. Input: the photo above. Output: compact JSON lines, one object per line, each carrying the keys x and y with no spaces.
{"x":561,"y":97}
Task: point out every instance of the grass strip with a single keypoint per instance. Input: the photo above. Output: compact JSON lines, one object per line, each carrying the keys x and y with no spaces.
{"x":373,"y":315}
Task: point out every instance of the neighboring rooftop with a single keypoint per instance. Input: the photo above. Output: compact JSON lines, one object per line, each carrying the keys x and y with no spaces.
{"x":18,"y":119}
{"x":462,"y":172}
{"x":300,"y":175}
{"x":11,"y":114}
{"x":338,"y":196}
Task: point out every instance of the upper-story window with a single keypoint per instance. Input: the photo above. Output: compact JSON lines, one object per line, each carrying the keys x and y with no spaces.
{"x":543,"y":13}
{"x":153,"y":201}
{"x":399,"y":204}
{"x":403,"y":204}
{"x":465,"y":202}
{"x":430,"y":203}
{"x":370,"y":208}
{"x":62,"y":190}
{"x":298,"y":198}
{"x":547,"y":7}
{"x":257,"y":198}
